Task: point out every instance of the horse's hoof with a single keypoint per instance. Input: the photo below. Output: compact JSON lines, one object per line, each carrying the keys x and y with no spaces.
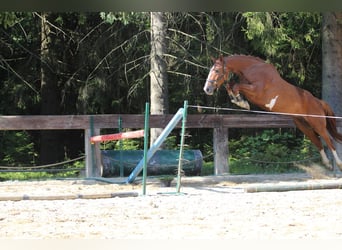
{"x":242,"y":104}
{"x":246,"y":105}
{"x":329,"y":166}
{"x":339,"y":166}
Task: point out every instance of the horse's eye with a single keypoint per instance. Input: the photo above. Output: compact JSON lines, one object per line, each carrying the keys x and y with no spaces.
{"x":216,"y":71}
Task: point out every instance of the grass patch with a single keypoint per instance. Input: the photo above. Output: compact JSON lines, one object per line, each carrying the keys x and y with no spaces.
{"x":66,"y":171}
{"x":207,"y":168}
{"x":247,"y":167}
{"x":243,"y":167}
{"x":24,"y":176}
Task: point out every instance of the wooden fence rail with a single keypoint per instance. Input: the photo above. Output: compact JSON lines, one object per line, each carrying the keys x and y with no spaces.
{"x":220,"y":123}
{"x":137,"y":121}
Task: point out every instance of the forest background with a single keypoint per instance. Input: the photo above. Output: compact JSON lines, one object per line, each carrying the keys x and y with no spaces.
{"x":100,"y":63}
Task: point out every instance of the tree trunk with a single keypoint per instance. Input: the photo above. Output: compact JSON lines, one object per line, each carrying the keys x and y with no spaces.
{"x":332,"y":63}
{"x":158,"y":73}
{"x":51,"y":149}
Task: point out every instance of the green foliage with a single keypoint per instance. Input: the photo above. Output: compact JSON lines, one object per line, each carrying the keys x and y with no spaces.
{"x":269,"y":152}
{"x":16,"y":148}
{"x":171,"y":142}
{"x":207,"y":168}
{"x":139,"y":18}
{"x":129,"y":144}
{"x":290,"y":40}
{"x":125,"y":144}
{"x":8,"y":19}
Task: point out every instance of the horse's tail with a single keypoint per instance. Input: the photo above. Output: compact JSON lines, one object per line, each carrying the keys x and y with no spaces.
{"x":331,"y":122}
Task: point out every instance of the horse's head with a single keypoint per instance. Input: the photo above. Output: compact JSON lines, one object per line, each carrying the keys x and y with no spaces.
{"x":217,"y":76}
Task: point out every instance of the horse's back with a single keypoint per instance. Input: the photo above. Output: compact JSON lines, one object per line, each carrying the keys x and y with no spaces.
{"x":262,"y":71}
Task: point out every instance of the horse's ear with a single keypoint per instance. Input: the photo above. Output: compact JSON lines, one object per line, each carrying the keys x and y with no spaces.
{"x":213,"y":59}
{"x":221,"y":58}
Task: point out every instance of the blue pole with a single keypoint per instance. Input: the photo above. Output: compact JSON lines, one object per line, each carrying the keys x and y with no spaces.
{"x":180,"y":160}
{"x":176,"y":118}
{"x":120,"y":148}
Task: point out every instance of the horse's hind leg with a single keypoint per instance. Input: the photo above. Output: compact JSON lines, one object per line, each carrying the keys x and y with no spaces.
{"x":323,"y":132}
{"x":320,"y":127}
{"x":305,"y":127}
{"x":337,"y":159}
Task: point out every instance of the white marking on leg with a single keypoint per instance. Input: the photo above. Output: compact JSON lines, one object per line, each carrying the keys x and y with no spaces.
{"x":337,"y":159}
{"x":272,"y":103}
{"x":325,"y":159}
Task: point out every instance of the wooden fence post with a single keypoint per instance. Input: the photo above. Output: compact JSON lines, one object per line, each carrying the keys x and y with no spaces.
{"x":220,"y":141}
{"x":93,"y":165}
{"x":87,"y":151}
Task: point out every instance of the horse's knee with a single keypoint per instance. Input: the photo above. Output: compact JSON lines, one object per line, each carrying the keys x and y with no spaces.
{"x":235,"y":88}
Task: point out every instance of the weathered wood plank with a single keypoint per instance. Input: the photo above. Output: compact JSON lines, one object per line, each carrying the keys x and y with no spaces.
{"x":44,"y":122}
{"x":137,"y":121}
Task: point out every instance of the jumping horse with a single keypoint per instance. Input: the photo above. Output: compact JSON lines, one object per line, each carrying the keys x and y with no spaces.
{"x":261,"y":84}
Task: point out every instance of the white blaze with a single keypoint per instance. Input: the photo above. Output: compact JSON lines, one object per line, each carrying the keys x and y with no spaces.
{"x":210,"y":72}
{"x":272,"y":103}
{"x":207,"y":82}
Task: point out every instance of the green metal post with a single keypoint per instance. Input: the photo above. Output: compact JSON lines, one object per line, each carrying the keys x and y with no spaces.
{"x":120,"y":148}
{"x":180,"y":161}
{"x":146,"y":130}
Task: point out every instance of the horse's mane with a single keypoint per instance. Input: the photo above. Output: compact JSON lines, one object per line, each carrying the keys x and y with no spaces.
{"x":248,"y":56}
{"x":254,"y":59}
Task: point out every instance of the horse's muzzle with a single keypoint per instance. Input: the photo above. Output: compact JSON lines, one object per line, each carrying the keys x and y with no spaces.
{"x":209,"y":89}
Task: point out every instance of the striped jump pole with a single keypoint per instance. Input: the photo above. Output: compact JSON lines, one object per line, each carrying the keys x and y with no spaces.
{"x":117,"y":136}
{"x":331,"y":184}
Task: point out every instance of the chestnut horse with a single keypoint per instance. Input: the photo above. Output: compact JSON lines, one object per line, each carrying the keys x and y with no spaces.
{"x":261,"y":84}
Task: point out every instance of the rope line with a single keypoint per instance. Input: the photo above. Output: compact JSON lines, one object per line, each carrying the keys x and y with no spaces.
{"x":263,"y":112}
{"x":41,"y":170}
{"x":282,"y":162}
{"x":44,"y":166}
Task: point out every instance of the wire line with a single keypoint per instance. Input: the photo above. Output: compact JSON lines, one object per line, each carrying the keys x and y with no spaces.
{"x":264,"y":112}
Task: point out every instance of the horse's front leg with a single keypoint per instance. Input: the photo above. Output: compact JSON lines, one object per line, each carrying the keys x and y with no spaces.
{"x":236,"y":97}
{"x":230,"y":91}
